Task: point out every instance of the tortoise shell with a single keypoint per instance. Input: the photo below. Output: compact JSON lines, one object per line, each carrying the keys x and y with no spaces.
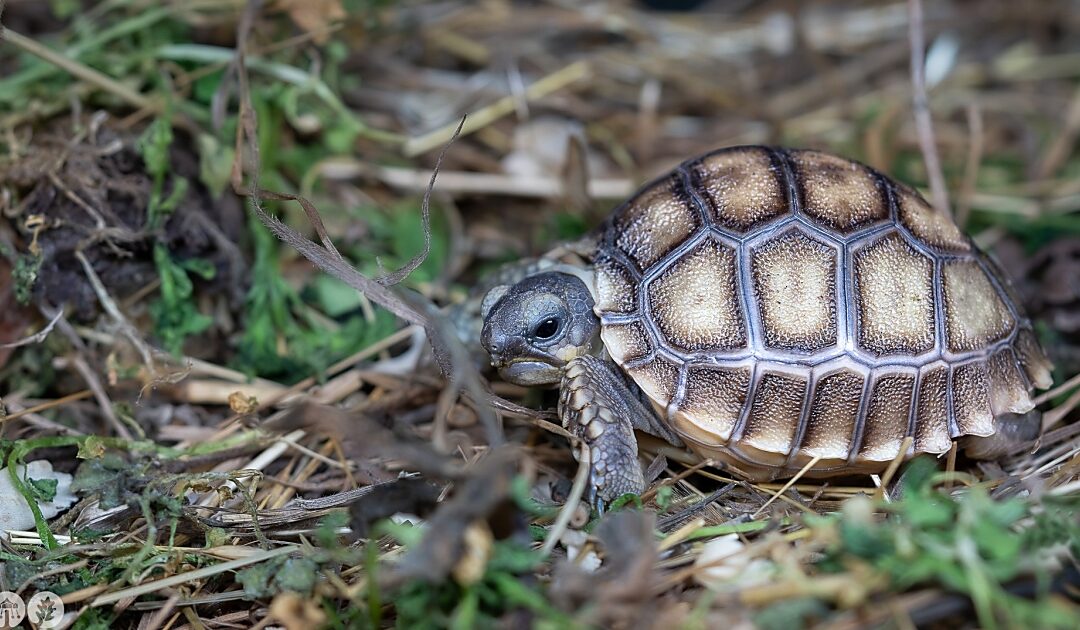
{"x":780,"y":305}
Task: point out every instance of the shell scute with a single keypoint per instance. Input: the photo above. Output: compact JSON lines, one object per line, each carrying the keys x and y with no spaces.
{"x":932,"y":416}
{"x":975,"y":314}
{"x":971,"y":399}
{"x":656,"y":221}
{"x":616,"y":286}
{"x":713,"y":402}
{"x":894,"y":286}
{"x":658,"y":378}
{"x":743,"y":188}
{"x":695,"y":301}
{"x":833,"y":415}
{"x":891,"y":397}
{"x":839,"y":194}
{"x":1008,"y":391}
{"x":927,"y":224}
{"x":795,"y":291}
{"x":1035,"y":363}
{"x":626,"y":342}
{"x":774,"y":414}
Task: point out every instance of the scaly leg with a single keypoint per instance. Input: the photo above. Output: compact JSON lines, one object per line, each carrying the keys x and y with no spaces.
{"x":601,"y":408}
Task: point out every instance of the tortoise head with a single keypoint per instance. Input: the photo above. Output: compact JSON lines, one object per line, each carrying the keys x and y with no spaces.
{"x":532,"y":329}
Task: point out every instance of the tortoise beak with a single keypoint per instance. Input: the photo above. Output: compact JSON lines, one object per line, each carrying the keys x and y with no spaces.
{"x":520,"y":363}
{"x":529,"y":372}
{"x":517,"y":351}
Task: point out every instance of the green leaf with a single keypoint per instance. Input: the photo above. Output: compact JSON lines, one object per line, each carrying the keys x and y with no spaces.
{"x":174,"y":314}
{"x":25,"y":274}
{"x":865,"y":540}
{"x":153,"y":145}
{"x":281,"y":337}
{"x":176,"y":195}
{"x":215,"y":164}
{"x":64,"y":9}
{"x":256,"y":580}
{"x":335,"y":298}
{"x":792,"y":613}
{"x":200,"y":267}
{"x":92,"y":447}
{"x":664,"y":497}
{"x":466,"y":613}
{"x":626,"y":500}
{"x":927,"y":511}
{"x":512,"y":557}
{"x":43,"y":489}
{"x":297,"y":574}
{"x":103,"y":476}
{"x":916,"y":476}
{"x":216,"y":537}
{"x":515,"y":593}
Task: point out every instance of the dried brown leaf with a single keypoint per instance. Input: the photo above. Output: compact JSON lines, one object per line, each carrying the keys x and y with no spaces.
{"x":313,"y":16}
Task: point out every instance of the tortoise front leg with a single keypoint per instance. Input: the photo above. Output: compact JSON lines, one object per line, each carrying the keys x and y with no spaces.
{"x":597,"y":405}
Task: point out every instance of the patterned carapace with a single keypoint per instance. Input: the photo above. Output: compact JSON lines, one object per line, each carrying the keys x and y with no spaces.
{"x":779,"y":305}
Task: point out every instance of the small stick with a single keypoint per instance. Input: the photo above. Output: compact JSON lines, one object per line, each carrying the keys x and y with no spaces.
{"x":114,"y":311}
{"x":1062,"y":147}
{"x":99,"y":221}
{"x":333,"y":370}
{"x":86,"y":393}
{"x":894,"y":465}
{"x":103,"y":400}
{"x":39,"y":336}
{"x":91,"y":378}
{"x":950,"y":466}
{"x":466,"y":183}
{"x":971,"y":169}
{"x":500,"y":108}
{"x":1057,"y":414}
{"x":651,"y":492}
{"x":572,"y":501}
{"x":805,"y":469}
{"x":189,"y":577}
{"x":923,"y":122}
{"x":680,"y":534}
{"x":158,"y":618}
{"x":329,"y":461}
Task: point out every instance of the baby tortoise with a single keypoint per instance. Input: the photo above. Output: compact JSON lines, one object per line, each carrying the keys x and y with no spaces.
{"x":767,"y":307}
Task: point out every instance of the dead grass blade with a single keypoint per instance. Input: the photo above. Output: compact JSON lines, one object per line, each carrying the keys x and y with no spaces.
{"x":923,"y":119}
{"x":425,"y":218}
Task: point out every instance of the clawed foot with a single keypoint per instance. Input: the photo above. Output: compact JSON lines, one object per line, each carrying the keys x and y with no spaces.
{"x":613,"y":471}
{"x":589,"y":410}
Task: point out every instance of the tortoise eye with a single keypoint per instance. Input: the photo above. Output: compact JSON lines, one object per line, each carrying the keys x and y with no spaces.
{"x":547,"y":328}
